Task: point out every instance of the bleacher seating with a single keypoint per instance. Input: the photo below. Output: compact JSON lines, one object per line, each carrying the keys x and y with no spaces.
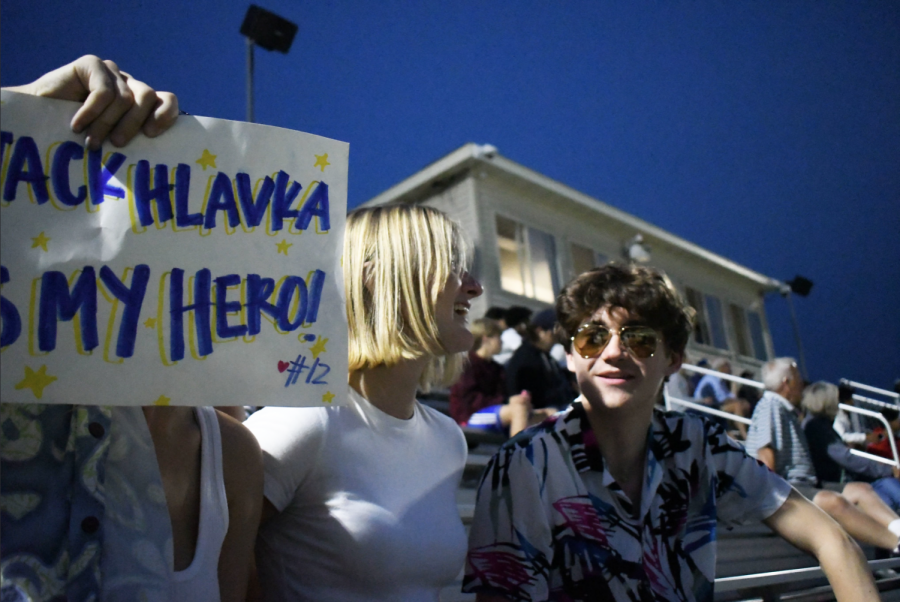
{"x":752,"y":562}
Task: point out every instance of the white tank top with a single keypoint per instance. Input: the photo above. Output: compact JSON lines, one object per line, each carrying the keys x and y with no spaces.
{"x":137,"y":557}
{"x":200,"y":581}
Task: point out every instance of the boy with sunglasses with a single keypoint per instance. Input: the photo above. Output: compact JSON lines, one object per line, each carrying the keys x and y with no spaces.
{"x":613,"y":499}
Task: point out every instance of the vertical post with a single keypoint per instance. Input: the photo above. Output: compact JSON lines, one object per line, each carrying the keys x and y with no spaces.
{"x":250,"y":44}
{"x":797,"y":335}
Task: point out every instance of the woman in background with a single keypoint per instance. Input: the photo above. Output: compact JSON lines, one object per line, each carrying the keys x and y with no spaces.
{"x":360,"y":499}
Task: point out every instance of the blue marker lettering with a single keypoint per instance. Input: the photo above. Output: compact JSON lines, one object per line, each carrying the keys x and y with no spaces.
{"x":99,"y":175}
{"x":284,"y":196}
{"x":184,"y":219}
{"x":254,"y":210}
{"x":316,"y":205}
{"x":200,"y":307}
{"x":133,"y":298}
{"x":12,"y":323}
{"x":57,"y":303}
{"x":59,"y":174}
{"x":223,"y":306}
{"x":221,"y":199}
{"x":143,"y":194}
{"x":25,"y":166}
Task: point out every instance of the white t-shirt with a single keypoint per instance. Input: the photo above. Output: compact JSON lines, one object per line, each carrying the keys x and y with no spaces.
{"x":510,"y":340}
{"x":367,"y":503}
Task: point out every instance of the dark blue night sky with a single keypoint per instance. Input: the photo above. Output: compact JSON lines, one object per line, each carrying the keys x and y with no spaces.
{"x":766,"y":132}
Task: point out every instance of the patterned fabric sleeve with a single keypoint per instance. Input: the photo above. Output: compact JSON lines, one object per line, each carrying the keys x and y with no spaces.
{"x":746,"y":490}
{"x":510,"y":542}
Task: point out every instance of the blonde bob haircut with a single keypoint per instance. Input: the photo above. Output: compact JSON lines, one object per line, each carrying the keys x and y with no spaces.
{"x":397,"y":259}
{"x":821,"y":399}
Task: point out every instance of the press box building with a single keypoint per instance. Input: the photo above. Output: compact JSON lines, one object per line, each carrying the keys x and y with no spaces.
{"x":532,"y":234}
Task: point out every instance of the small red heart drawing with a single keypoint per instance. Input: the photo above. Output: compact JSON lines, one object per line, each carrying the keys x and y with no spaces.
{"x":282,"y":366}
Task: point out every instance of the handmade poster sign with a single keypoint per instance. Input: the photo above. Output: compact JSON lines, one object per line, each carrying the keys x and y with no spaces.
{"x":198,"y":268}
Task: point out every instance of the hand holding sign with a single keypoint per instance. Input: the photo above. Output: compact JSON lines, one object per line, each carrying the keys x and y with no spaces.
{"x":113,"y":101}
{"x":144,"y":276}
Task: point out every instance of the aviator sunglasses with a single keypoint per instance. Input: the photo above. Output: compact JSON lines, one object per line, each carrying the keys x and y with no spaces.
{"x":591,"y":340}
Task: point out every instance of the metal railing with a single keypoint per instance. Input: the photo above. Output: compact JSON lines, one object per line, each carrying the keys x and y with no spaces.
{"x":889,"y":433}
{"x":693,"y":405}
{"x":767,"y":580}
{"x":871,"y":389}
{"x":671,"y":400}
{"x":772,"y":582}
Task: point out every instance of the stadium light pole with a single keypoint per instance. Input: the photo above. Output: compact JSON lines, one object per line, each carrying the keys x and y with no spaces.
{"x":266,"y":30}
{"x":798,"y":286}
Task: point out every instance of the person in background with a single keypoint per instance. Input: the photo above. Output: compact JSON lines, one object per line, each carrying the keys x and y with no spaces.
{"x":776,"y":438}
{"x":517,"y":318}
{"x":123,"y":503}
{"x":481,"y":389}
{"x":360,"y":499}
{"x":497,"y":314}
{"x":613,"y":499}
{"x":749,"y":393}
{"x":714,"y":392}
{"x":850,"y":426}
{"x":696,"y":376}
{"x":478,"y":399}
{"x":532,"y":369}
{"x":882,"y":444}
{"x":832,"y":459}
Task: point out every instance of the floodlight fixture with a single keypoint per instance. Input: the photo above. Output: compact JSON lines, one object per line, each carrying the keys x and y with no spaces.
{"x":800,"y":285}
{"x":269,"y":31}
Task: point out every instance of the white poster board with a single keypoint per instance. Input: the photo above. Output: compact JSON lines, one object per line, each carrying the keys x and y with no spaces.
{"x":198,"y":268}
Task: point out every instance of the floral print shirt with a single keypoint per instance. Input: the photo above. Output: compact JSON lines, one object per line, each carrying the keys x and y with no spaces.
{"x":84,"y":514}
{"x":551,"y":523}
{"x":53,"y":460}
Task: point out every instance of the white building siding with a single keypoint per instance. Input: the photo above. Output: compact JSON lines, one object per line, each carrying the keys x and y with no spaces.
{"x":474,"y":191}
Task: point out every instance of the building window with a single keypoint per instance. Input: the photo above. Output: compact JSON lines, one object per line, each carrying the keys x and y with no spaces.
{"x":709,"y":327}
{"x":701,"y":330}
{"x":716,"y":320}
{"x":739,"y":321}
{"x":754,"y":320}
{"x":585,"y":258}
{"x":527,"y":261}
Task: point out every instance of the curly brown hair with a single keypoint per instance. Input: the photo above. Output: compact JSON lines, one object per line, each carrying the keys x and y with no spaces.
{"x":645,"y":293}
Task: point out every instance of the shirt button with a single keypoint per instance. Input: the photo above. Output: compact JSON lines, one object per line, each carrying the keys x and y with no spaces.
{"x":96,"y":429}
{"x":90,"y":525}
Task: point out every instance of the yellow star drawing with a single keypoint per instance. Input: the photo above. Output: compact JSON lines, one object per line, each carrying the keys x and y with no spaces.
{"x":322,"y":161}
{"x":207,"y":160}
{"x":150,"y":323}
{"x":319,"y":347}
{"x":162,"y":401}
{"x":328,"y":397}
{"x":41,"y":241}
{"x":283,"y":247}
{"x":36,"y":381}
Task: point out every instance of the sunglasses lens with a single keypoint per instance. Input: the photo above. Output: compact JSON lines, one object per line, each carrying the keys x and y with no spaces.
{"x":591,"y":340}
{"x":641,"y":340}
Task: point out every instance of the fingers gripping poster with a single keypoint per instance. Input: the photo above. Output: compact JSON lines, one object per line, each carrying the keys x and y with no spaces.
{"x":198,"y":268}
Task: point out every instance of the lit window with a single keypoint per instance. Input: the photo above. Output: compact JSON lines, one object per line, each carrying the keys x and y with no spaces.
{"x":527,"y":261}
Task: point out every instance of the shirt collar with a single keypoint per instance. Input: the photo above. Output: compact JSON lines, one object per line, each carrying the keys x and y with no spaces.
{"x":583,"y":441}
{"x":787,"y":404}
